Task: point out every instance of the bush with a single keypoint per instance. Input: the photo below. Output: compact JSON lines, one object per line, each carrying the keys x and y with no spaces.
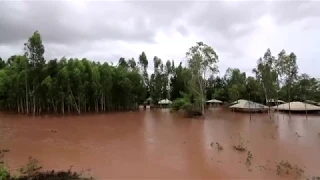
{"x":185,"y":105}
{"x":4,"y":174}
{"x":179,"y":104}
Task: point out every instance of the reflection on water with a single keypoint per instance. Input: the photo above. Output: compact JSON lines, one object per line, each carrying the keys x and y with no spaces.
{"x":160,"y":144}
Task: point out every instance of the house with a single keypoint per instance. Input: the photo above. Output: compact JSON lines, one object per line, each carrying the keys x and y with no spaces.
{"x":298,"y":107}
{"x":214,"y":103}
{"x":164,"y":103}
{"x":248,"y":106}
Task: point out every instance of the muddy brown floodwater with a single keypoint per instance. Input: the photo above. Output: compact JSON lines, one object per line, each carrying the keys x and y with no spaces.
{"x":159,"y":144}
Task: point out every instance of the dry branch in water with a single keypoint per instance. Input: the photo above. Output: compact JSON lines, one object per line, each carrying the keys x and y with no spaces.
{"x":220,"y":148}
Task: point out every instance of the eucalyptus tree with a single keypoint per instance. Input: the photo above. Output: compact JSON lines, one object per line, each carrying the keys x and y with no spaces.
{"x":143,"y":66}
{"x":202,"y":60}
{"x":266,"y":74}
{"x":235,"y":83}
{"x":34,"y":50}
{"x":288,"y":71}
{"x":179,"y":81}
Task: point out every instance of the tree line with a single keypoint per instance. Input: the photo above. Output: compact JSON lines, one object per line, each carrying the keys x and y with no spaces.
{"x":32,"y":85}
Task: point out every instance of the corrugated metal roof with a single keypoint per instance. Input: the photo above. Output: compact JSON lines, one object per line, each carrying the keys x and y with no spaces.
{"x":297,"y":106}
{"x":164,"y":101}
{"x":245,"y":104}
{"x":214,"y":101}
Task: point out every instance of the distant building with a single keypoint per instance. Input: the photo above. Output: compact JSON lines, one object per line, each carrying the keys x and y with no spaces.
{"x":297,"y":107}
{"x":274,"y":102}
{"x":214,"y":103}
{"x":164,"y":103}
{"x":248,"y":106}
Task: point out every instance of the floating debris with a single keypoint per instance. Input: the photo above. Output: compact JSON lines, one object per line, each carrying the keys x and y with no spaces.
{"x":239,"y":147}
{"x":4,"y":151}
{"x":298,"y":135}
{"x":211,"y":144}
{"x":249,"y":158}
{"x":220,"y":148}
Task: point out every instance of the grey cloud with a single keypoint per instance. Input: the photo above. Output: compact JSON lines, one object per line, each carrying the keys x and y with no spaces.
{"x":75,"y":30}
{"x":66,"y":23}
{"x":182,"y":30}
{"x":63,"y":22}
{"x":289,"y":11}
{"x":230,"y":20}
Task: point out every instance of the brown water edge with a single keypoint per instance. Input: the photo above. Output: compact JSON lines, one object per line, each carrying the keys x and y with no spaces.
{"x":159,"y":144}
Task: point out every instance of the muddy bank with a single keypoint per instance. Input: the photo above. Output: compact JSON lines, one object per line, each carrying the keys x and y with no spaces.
{"x":159,"y":144}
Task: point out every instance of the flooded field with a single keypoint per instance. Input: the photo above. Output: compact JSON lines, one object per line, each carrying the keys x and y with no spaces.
{"x":159,"y":144}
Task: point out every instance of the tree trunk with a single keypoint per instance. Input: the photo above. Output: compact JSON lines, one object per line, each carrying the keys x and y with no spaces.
{"x":34,"y":104}
{"x":27,"y":94}
{"x":101,"y":103}
{"x":249,"y":106}
{"x":288,"y":91}
{"x":79,"y":105}
{"x":21,"y":105}
{"x":18,"y":103}
{"x":305,"y":106}
{"x":277,"y":106}
{"x":62,"y":105}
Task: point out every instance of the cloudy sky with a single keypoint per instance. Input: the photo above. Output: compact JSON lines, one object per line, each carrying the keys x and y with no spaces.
{"x":239,"y":31}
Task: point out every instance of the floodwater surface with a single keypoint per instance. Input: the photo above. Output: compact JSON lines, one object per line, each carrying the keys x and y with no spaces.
{"x":159,"y":144}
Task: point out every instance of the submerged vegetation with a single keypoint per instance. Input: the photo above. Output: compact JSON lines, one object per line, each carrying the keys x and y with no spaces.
{"x":31,"y":84}
{"x":32,"y":171}
{"x":287,"y":168}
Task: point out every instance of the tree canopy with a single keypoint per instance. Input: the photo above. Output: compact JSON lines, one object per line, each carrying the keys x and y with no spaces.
{"x":31,"y":84}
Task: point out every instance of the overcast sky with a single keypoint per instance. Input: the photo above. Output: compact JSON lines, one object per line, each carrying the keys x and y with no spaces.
{"x":239,"y":31}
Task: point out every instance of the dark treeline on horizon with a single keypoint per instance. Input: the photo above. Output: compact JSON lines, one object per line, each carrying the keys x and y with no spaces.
{"x":32,"y":85}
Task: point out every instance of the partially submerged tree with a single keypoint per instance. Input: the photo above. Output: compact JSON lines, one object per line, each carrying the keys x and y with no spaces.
{"x":288,"y":70}
{"x":28,"y":83}
{"x":236,"y":81}
{"x":202,"y":61}
{"x":266,"y":74}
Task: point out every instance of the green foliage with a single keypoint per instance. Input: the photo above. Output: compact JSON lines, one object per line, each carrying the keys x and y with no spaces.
{"x":236,"y":81}
{"x":179,"y":81}
{"x":267,"y":75}
{"x":4,"y":174}
{"x":180,"y":103}
{"x":31,"y":84}
{"x":187,"y":106}
{"x":31,"y":168}
{"x":202,"y":59}
{"x":31,"y":171}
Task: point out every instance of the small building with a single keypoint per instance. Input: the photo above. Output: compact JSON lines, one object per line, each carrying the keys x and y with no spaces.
{"x":214,"y":103}
{"x":248,"y":106}
{"x":238,"y":101}
{"x":298,"y":107}
{"x":164,"y":103}
{"x":274,"y":102}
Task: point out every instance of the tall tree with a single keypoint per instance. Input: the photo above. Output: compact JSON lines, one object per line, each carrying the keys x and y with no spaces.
{"x":266,"y":74}
{"x":143,"y":64}
{"x":34,"y":50}
{"x":236,"y":81}
{"x":288,"y":70}
{"x":202,"y":59}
